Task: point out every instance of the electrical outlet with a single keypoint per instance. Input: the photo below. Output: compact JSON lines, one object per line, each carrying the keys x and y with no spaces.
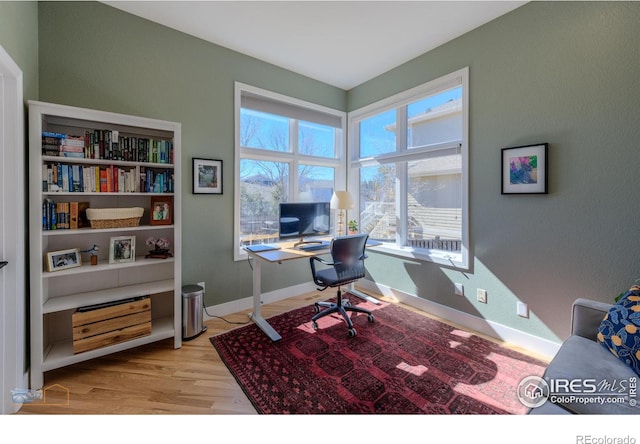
{"x":201,"y":284}
{"x":522,"y":309}
{"x":459,"y":289}
{"x":482,"y":295}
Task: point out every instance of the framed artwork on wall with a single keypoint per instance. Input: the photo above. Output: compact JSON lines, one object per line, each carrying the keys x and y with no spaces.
{"x":524,"y":169}
{"x":207,"y":176}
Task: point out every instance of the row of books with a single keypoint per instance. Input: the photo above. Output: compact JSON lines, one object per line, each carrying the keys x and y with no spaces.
{"x":64,"y":215}
{"x":107,"y":145}
{"x":61,"y":177}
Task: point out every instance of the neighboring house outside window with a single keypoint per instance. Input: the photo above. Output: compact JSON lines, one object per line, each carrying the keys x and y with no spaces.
{"x":409,"y":170}
{"x":287,"y":150}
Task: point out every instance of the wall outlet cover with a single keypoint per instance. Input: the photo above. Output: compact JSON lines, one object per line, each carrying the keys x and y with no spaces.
{"x":522,"y":309}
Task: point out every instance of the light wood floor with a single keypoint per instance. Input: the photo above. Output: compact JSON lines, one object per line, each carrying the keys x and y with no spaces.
{"x":159,"y":379}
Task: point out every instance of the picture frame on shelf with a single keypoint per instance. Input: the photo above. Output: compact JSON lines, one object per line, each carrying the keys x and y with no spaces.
{"x":207,"y":176}
{"x":63,"y":259}
{"x":161,"y":211}
{"x":122,"y":249}
{"x":524,"y":169}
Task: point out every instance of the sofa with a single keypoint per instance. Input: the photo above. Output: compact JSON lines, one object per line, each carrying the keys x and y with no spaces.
{"x":593,"y":369}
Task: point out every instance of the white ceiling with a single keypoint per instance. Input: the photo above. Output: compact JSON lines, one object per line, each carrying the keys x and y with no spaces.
{"x":342,"y":43}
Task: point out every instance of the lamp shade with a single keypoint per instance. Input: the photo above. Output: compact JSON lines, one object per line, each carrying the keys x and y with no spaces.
{"x":341,"y":200}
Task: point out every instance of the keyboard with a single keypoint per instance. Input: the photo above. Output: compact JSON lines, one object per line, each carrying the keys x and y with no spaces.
{"x":314,"y":247}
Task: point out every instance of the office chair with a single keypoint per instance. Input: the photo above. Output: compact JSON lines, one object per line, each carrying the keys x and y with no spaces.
{"x":347,"y":266}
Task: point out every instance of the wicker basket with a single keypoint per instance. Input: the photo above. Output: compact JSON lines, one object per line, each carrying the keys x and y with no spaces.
{"x":114,"y":217}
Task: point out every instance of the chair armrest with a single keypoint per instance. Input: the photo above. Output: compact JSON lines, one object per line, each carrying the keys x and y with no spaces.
{"x":312,"y":261}
{"x":586,"y":316}
{"x":316,"y":258}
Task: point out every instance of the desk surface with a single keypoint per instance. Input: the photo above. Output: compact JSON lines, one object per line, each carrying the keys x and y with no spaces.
{"x":288,"y":252}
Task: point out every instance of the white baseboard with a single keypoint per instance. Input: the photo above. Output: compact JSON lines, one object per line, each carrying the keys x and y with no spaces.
{"x":267,"y":298}
{"x":510,"y":335}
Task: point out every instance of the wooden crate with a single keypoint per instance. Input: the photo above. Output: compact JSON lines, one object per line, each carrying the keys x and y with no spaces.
{"x":100,"y":327}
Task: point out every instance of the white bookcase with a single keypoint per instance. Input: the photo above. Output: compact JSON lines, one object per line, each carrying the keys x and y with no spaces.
{"x":56,"y":295}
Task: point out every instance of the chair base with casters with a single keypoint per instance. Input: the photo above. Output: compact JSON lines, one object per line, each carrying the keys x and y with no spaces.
{"x":347,"y":267}
{"x":341,"y":306}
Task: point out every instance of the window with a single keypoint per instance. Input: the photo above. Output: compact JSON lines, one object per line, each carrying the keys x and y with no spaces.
{"x":287,"y":150}
{"x":409,"y":169}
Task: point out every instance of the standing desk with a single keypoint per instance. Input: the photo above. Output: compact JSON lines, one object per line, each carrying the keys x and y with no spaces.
{"x":286,"y":252}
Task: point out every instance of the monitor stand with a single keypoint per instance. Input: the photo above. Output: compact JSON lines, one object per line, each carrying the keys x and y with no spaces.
{"x":303,"y":242}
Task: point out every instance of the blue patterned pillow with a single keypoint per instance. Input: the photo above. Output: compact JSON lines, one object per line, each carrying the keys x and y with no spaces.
{"x":619,"y":331}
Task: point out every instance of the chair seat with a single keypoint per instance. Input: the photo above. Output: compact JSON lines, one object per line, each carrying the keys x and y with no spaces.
{"x":334,"y":278}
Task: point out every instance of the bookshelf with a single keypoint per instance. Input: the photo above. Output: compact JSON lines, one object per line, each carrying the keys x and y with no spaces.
{"x":102,"y":160}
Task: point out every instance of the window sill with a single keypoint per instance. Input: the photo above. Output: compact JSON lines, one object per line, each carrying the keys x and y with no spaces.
{"x":457,"y":261}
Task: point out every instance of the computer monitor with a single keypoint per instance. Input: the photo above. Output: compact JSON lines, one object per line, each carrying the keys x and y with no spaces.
{"x":304,"y":219}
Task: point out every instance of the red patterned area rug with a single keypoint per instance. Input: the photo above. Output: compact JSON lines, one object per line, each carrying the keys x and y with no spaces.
{"x":403,"y":363}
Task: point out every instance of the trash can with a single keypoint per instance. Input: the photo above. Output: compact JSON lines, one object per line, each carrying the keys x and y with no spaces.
{"x":192,"y":305}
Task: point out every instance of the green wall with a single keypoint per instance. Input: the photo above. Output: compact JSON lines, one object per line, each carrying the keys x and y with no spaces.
{"x":563,"y":73}
{"x":556,"y":72}
{"x":19,"y":37}
{"x":110,"y":60}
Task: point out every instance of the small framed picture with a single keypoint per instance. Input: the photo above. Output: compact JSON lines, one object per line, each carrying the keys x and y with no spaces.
{"x":207,"y":176}
{"x":524,"y":169}
{"x":63,"y":259}
{"x":161,"y":210}
{"x":122,"y":249}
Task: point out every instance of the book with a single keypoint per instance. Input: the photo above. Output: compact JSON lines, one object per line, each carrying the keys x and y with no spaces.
{"x":72,"y":154}
{"x":53,"y":134}
{"x":76,"y":179}
{"x":82,"y":215}
{"x":65,"y":177}
{"x":78,"y":215}
{"x":261,"y":247}
{"x":73,"y":141}
{"x":103,"y":180}
{"x":45,"y":177}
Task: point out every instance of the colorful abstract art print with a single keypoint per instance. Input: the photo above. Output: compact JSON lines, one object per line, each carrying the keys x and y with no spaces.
{"x":524,"y":169}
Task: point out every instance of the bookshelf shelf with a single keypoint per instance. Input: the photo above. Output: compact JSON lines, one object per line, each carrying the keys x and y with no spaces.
{"x":106,"y":162}
{"x":131,"y":145}
{"x":60,"y":354}
{"x":93,"y":231}
{"x":104,"y":266}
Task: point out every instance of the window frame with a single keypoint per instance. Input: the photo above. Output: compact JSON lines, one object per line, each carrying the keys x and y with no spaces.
{"x":292,"y":157}
{"x":404,"y":154}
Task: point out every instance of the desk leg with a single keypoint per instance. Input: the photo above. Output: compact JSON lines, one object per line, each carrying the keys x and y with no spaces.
{"x":357,"y":293}
{"x":257,"y":293}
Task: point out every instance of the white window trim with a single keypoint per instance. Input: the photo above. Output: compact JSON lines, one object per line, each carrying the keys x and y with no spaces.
{"x":446,"y":258}
{"x":294,"y":159}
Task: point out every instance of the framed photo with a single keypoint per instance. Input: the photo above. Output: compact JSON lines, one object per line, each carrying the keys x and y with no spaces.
{"x":63,"y":259}
{"x":161,"y":210}
{"x":122,"y":249}
{"x":524,"y":169}
{"x":207,"y":176}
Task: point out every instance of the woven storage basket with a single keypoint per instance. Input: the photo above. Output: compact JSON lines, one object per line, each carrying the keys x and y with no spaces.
{"x":114,"y":217}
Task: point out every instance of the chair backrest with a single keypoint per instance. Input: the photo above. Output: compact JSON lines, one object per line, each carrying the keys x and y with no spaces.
{"x":348,"y":251}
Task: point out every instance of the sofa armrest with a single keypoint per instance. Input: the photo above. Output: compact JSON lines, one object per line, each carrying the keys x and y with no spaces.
{"x":586,"y":316}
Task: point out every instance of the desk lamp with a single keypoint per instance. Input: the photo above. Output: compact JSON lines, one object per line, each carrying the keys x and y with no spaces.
{"x":341,"y":200}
